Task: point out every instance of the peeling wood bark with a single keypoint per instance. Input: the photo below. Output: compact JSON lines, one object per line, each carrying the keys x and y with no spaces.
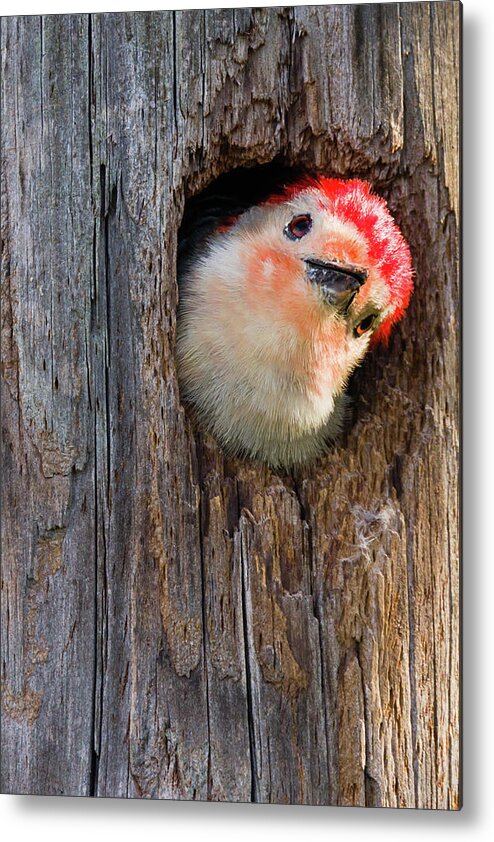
{"x":178,"y":625}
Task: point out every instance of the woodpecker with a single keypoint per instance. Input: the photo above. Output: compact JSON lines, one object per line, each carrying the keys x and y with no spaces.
{"x":278,"y":305}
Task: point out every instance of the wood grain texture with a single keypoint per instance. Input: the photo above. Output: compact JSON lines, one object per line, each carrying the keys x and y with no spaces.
{"x":175,"y":624}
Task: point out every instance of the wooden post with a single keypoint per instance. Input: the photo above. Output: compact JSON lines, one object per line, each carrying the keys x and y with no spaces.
{"x":178,"y":625}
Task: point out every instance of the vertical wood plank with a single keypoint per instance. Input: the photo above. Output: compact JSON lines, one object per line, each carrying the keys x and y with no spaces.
{"x":48,"y":528}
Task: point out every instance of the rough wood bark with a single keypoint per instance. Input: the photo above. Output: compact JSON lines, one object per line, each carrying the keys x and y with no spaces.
{"x":177,"y":625}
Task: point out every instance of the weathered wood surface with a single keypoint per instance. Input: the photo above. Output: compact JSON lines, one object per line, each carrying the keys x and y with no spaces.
{"x":176,"y":625}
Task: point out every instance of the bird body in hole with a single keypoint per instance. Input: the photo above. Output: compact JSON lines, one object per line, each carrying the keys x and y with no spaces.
{"x":278,"y":305}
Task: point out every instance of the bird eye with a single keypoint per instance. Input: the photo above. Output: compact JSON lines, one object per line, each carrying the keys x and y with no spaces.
{"x":365,"y":325}
{"x":298,"y":227}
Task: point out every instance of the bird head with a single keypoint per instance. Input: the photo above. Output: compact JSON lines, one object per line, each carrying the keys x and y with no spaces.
{"x":325,"y":251}
{"x":287,"y":298}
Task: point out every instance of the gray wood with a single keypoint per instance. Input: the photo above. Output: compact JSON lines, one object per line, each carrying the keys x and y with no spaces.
{"x":178,"y":625}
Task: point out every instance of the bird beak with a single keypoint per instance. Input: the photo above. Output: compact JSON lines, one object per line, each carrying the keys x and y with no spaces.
{"x":339,"y":283}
